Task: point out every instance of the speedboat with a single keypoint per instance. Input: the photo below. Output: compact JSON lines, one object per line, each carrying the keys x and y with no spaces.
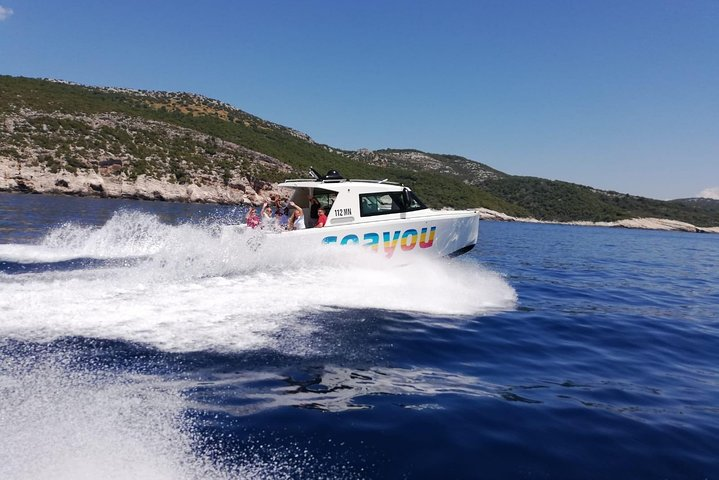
{"x":385,"y":217}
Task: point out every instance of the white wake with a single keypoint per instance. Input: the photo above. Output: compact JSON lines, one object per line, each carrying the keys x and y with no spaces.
{"x":196,"y":289}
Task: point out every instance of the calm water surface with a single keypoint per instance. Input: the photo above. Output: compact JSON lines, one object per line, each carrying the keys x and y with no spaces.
{"x":139,"y":341}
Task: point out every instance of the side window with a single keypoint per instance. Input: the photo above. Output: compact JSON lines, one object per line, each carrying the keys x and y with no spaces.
{"x":415,"y":203}
{"x":326,"y":198}
{"x":387,"y":202}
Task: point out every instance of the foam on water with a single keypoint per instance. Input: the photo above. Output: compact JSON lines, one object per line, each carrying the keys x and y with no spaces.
{"x":61,"y":420}
{"x":126,"y":234}
{"x":200,"y":290}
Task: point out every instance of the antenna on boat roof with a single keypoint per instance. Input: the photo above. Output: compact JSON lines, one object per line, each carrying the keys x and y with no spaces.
{"x":314,"y":174}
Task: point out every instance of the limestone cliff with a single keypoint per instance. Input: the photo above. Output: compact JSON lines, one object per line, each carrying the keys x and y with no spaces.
{"x":114,"y":155}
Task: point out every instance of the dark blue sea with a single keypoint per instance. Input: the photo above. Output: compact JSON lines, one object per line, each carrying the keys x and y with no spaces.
{"x":138,"y":340}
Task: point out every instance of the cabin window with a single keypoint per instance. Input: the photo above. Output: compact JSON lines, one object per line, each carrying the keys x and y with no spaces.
{"x":326,"y":198}
{"x":388,"y":202}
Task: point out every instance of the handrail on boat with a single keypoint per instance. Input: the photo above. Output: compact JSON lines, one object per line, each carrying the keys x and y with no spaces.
{"x":340,"y":180}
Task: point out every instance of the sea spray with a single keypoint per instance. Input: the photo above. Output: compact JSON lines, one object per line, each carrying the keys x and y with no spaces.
{"x":200,"y":287}
{"x":66,"y":416}
{"x":62,"y":420}
{"x":126,"y":234}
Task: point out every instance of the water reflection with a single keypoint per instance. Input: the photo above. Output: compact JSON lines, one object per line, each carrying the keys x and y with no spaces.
{"x":336,"y":389}
{"x":341,"y":389}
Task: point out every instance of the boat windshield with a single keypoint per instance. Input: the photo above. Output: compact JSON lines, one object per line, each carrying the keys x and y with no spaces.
{"x":389,"y":202}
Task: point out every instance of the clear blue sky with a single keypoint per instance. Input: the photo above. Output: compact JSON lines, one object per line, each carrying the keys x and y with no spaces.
{"x":620,"y":95}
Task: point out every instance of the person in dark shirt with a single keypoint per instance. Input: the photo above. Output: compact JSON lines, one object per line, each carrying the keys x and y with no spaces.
{"x":314,"y":211}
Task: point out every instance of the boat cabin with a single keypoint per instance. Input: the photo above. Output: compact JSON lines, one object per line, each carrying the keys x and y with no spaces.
{"x":351,"y":201}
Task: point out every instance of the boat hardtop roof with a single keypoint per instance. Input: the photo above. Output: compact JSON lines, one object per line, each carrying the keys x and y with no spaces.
{"x":333,"y":181}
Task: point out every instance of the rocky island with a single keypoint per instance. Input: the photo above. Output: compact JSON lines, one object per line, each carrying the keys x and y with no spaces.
{"x":62,"y":138}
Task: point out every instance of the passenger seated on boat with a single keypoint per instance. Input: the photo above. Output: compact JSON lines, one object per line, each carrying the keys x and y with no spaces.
{"x":367,"y":207}
{"x":252,"y":220}
{"x":297,"y":218}
{"x":268,"y":220}
{"x":266,"y":212}
{"x":322,"y":214}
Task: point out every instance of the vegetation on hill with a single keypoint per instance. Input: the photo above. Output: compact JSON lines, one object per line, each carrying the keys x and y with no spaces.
{"x":711,"y":204}
{"x":214,"y":120}
{"x":473,"y":173}
{"x":544,"y":199}
{"x":187,"y":138}
{"x":563,"y":201}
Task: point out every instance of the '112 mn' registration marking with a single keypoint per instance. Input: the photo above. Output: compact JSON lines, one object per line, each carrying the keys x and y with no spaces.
{"x":343,"y":212}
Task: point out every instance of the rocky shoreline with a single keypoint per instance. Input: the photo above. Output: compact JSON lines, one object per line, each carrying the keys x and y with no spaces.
{"x":637,"y":223}
{"x":28,"y":179}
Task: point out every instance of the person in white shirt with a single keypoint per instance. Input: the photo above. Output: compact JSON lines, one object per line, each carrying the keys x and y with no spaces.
{"x":297,"y":219}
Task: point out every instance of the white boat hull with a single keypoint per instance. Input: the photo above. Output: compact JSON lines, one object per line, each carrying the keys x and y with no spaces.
{"x":427,"y":233}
